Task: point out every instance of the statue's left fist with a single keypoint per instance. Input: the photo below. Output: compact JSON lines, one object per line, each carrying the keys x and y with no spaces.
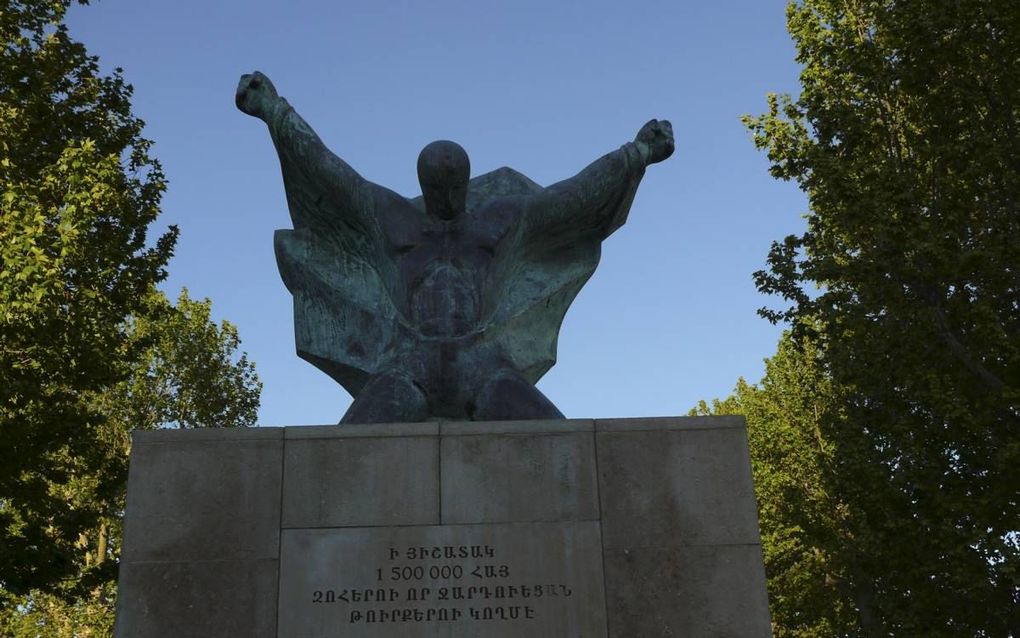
{"x":255,"y":95}
{"x":655,"y":141}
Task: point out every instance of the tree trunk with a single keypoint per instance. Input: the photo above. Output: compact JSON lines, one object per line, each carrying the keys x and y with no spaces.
{"x":864,"y":597}
{"x":104,"y":535}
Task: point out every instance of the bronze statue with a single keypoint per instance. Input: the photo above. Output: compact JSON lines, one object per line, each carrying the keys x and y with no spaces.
{"x":447,"y":306}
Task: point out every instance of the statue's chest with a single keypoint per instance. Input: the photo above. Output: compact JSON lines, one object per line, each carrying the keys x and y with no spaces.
{"x":467,"y":250}
{"x":442,"y":275}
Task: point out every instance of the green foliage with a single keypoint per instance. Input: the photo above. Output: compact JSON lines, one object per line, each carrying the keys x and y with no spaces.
{"x":814,"y":537}
{"x":184,"y":374}
{"x":49,"y":616}
{"x":907,"y":279}
{"x":78,"y":193}
{"x":89,"y":349}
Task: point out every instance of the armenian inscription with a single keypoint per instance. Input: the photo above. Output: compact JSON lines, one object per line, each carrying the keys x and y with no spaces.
{"x":495,"y":580}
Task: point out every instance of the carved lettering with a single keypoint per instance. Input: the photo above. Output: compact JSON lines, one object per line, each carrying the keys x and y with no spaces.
{"x":443,"y":583}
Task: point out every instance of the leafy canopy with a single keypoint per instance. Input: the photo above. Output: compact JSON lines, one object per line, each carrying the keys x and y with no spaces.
{"x":89,"y":348}
{"x":78,"y":191}
{"x":907,"y":279}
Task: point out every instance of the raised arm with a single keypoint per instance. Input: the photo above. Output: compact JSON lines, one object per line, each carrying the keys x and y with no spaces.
{"x":312,"y":173}
{"x":596,"y":200}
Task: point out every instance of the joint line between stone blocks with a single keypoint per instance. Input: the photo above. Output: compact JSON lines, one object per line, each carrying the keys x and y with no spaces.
{"x":602,"y":536}
{"x":279,"y":537}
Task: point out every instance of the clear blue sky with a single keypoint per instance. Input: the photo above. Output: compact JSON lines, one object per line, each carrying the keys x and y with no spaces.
{"x":543,"y":87}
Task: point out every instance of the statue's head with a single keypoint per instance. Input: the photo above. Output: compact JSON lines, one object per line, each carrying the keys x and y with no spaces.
{"x":444,"y":170}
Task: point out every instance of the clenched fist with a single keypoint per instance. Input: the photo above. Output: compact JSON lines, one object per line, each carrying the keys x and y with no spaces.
{"x":655,"y":141}
{"x":256,"y":95}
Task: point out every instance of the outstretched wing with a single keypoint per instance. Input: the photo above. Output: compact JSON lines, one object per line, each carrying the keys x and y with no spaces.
{"x":536,"y":297}
{"x":345,"y":323}
{"x":334,"y":263}
{"x":553,"y":250}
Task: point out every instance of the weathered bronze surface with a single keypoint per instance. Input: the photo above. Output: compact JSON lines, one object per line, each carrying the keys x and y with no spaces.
{"x":447,"y":306}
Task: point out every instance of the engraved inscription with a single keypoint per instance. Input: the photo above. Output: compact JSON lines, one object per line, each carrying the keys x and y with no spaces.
{"x":539,"y":578}
{"x":443,"y":575}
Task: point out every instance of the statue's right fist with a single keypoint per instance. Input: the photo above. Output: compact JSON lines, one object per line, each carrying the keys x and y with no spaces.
{"x":255,"y":94}
{"x":655,"y":141}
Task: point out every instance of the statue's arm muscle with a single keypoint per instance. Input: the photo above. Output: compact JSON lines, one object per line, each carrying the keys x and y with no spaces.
{"x":301,"y":149}
{"x":593,"y":202}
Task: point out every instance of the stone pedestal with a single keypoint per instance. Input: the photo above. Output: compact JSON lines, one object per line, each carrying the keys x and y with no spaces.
{"x":622,"y":528}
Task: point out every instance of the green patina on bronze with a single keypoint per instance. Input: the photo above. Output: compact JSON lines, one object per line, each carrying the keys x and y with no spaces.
{"x":446,"y":306}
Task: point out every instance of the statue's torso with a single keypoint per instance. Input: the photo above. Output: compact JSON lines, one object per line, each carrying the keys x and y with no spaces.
{"x":443,"y":269}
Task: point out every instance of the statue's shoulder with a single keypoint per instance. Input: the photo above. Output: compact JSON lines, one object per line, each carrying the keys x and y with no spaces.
{"x":494,"y":201}
{"x":392,"y":214}
{"x":500,"y":183}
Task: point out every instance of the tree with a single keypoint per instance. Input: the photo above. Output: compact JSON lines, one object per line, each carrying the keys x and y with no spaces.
{"x":79,"y":192}
{"x":89,"y":348}
{"x":904,"y":139}
{"x":184,"y":374}
{"x":816,"y":494}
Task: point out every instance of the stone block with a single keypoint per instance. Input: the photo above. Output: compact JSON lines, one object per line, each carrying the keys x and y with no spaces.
{"x":559,"y":426}
{"x":676,"y":486}
{"x":670,"y":423}
{"x":361,"y":430}
{"x":695,"y":592}
{"x":204,"y":495}
{"x":359,"y":481}
{"x":207,"y":599}
{"x":519,"y":472}
{"x":561,"y":529}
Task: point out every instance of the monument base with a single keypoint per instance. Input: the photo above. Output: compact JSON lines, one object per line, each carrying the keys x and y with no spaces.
{"x":622,"y":528}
